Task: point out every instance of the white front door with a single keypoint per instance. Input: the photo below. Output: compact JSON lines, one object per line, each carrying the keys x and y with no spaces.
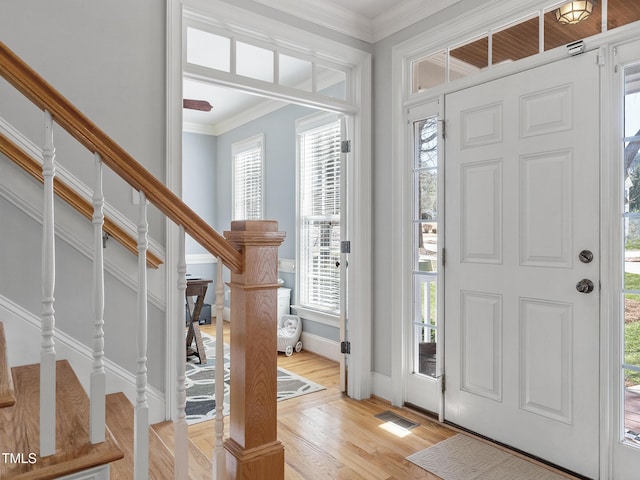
{"x":522,"y":221}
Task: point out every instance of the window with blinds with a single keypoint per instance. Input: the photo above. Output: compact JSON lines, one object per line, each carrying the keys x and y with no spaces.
{"x":319,"y":209}
{"x":248,"y":179}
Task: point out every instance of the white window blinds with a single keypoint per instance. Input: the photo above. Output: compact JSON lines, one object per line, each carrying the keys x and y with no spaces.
{"x":247,"y":179}
{"x":320,"y":217}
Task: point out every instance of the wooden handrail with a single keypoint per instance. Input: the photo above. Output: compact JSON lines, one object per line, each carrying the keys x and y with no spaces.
{"x":46,"y":97}
{"x":68,"y":194}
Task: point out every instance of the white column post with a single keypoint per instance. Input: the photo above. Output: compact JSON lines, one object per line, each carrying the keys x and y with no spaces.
{"x":219,"y":471}
{"x":47,"y":352}
{"x":141,"y":422}
{"x":98,"y":380}
{"x":181,"y":435}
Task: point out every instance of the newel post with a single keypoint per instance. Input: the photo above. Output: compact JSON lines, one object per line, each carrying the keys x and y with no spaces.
{"x":252,"y":449}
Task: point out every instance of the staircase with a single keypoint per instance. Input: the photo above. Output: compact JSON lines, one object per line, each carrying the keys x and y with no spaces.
{"x":51,"y":427}
{"x":19,"y":413}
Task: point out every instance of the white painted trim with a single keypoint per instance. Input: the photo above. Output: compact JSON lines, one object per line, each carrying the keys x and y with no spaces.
{"x":173,"y":169}
{"x":405,"y":14}
{"x":382,"y":386}
{"x":16,"y":193}
{"x":200,"y":128}
{"x":316,"y":316}
{"x":348,"y":22}
{"x":200,"y":259}
{"x":97,"y":473}
{"x":23,"y":328}
{"x":321,"y":346}
{"x":80,"y":188}
{"x":326,"y":14}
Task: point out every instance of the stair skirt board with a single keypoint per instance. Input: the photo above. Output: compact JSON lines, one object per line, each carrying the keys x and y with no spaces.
{"x":22,"y":327}
{"x":97,"y":473}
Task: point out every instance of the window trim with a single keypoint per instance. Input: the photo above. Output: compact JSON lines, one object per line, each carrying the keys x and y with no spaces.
{"x":238,"y":149}
{"x":306,"y":124}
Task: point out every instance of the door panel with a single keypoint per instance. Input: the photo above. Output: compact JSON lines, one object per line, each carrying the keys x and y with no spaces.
{"x":522,"y":200}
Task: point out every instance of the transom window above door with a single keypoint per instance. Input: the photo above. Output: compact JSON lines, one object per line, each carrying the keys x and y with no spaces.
{"x":212,"y":49}
{"x":533,"y":32}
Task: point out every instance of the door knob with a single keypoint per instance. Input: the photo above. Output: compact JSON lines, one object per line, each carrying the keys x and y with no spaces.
{"x":584,"y":286}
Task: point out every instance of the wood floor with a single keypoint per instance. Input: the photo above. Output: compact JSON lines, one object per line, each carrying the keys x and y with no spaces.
{"x":329,"y":436}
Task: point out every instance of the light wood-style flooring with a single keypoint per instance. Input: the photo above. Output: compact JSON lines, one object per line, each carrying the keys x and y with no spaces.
{"x":329,"y":436}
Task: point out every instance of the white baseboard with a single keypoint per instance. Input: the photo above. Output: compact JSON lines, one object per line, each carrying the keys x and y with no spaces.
{"x":22,"y":328}
{"x":321,"y":346}
{"x":381,"y":386}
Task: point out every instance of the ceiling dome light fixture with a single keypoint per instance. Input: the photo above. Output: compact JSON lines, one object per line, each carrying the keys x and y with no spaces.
{"x":574,"y":12}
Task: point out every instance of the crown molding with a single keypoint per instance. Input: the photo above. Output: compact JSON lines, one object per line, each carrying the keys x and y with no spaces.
{"x":326,"y":14}
{"x":405,"y":14}
{"x":200,"y":128}
{"x":350,"y":23}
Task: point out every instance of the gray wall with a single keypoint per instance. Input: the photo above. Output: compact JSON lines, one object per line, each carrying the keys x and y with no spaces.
{"x":383,"y":161}
{"x":199,"y":192}
{"x":108,"y":58}
{"x":20,"y":281}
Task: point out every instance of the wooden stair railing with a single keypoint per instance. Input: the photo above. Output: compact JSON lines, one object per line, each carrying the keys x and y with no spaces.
{"x":252,"y":450}
{"x":18,"y":156}
{"x":64,"y":113}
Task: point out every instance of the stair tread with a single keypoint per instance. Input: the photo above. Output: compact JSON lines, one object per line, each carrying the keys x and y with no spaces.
{"x":120,"y":420}
{"x":21,"y":427}
{"x":7,"y":393}
{"x":200,"y":465}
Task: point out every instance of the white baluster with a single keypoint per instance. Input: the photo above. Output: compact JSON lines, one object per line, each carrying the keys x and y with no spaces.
{"x":219,"y":471}
{"x":181,"y":435}
{"x":47,"y":352}
{"x":98,"y":381}
{"x":141,"y":420}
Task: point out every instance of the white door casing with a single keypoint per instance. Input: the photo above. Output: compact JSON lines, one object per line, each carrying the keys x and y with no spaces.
{"x":522,"y":198}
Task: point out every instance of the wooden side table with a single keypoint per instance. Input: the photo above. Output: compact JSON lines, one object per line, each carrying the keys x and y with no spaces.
{"x":198,"y":289}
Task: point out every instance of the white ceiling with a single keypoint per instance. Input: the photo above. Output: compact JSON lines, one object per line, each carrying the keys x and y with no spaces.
{"x":368,"y":20}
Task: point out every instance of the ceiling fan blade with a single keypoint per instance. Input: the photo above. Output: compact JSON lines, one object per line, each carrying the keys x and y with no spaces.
{"x":201,"y":105}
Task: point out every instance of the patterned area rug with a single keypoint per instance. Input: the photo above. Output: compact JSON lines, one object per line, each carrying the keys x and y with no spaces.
{"x":200,"y":382}
{"x":464,"y":458}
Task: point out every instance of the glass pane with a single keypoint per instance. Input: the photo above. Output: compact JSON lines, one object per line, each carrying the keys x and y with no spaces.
{"x":469,"y":58}
{"x":426,"y":135}
{"x":428,"y":72}
{"x":254,"y":62}
{"x":632,"y":372}
{"x":515,"y":42}
{"x":425,"y":347}
{"x":427,"y":246}
{"x":632,"y":104}
{"x":331,"y":83}
{"x":622,"y":12}
{"x":557,"y":34}
{"x":427,"y":195}
{"x":631,"y":219}
{"x":295,"y":72}
{"x":208,"y":50}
